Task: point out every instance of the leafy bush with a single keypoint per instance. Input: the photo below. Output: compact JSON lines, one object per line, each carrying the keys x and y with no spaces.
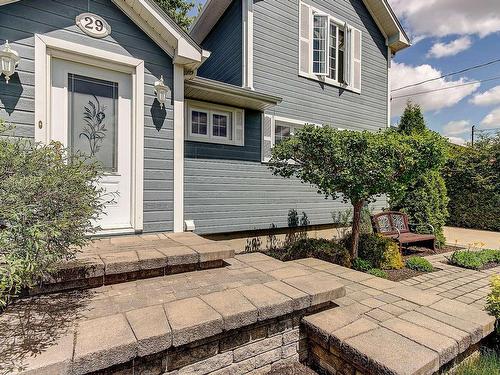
{"x":474,"y":259}
{"x":319,"y":248}
{"x":493,"y":300}
{"x":426,"y":199}
{"x":361,"y":265}
{"x":381,"y":252}
{"x":472,"y":177}
{"x":378,"y":272}
{"x":419,"y":264}
{"x":49,"y":200}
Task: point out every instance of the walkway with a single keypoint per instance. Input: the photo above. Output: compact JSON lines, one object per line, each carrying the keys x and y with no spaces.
{"x":464,"y":285}
{"x":467,"y":237}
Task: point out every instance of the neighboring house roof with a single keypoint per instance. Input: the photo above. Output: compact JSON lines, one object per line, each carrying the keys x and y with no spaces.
{"x":148,"y":16}
{"x":380,"y":10}
{"x":205,"y":89}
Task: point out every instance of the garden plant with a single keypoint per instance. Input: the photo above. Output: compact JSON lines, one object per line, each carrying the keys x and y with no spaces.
{"x":49,"y":203}
{"x":357,"y":166}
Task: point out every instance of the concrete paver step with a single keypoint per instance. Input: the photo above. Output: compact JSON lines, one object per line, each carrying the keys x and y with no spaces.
{"x":98,"y":328}
{"x":120,"y":259}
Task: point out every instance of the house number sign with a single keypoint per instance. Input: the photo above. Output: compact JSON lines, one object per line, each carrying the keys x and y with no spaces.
{"x":93,"y":25}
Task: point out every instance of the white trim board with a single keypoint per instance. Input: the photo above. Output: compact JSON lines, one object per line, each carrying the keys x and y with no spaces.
{"x":48,"y":47}
{"x":247,"y":43}
{"x":179,"y":104}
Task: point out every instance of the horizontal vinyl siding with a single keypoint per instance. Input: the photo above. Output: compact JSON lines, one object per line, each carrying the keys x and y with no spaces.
{"x":228,"y":189}
{"x":276,"y":25}
{"x":228,"y":196}
{"x":225,"y":44}
{"x":56,"y":18}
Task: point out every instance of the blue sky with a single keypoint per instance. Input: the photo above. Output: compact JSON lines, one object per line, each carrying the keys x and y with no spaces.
{"x":449,"y":35}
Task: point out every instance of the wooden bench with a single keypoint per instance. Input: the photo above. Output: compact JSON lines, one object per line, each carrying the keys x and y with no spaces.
{"x":395,"y":225}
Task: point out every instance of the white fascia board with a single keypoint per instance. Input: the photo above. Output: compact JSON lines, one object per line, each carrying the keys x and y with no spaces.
{"x":156,"y":24}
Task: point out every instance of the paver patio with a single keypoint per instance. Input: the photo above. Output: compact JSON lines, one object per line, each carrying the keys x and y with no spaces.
{"x":464,"y":285}
{"x":88,"y":330}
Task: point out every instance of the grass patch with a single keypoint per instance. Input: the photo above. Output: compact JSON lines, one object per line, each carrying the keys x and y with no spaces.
{"x":419,"y":264}
{"x":474,"y":259}
{"x":488,"y":363}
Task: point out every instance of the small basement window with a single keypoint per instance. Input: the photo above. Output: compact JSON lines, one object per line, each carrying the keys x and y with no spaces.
{"x":214,"y":123}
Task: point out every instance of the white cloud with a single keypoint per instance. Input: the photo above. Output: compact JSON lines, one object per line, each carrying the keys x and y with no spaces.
{"x":452,"y":48}
{"x":456,"y":128}
{"x":492,"y":120}
{"x":449,"y":17}
{"x":457,"y":140}
{"x":403,"y":75}
{"x":492,"y":96}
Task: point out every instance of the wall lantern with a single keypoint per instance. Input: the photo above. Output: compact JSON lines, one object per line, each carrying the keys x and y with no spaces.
{"x":161,"y":91}
{"x":8,"y":60}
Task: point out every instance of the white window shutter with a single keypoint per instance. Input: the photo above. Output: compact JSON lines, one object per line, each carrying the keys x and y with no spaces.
{"x":305,"y":48}
{"x":239,"y":127}
{"x":347,"y":54}
{"x":267,"y":137}
{"x":356,"y":59}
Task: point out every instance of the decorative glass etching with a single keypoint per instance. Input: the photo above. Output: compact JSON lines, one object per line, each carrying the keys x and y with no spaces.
{"x":398,"y":222}
{"x":93,"y":118}
{"x":384,"y":224}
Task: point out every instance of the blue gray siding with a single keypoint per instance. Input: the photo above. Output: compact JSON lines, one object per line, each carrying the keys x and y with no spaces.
{"x":227,"y":190}
{"x":224,"y":41}
{"x":56,"y":18}
{"x":276,"y":24}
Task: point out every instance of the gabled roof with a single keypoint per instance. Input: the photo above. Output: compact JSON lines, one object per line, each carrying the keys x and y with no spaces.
{"x":380,"y":10}
{"x":148,"y":16}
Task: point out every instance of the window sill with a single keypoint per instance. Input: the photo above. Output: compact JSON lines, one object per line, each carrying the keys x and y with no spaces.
{"x":214,"y":141}
{"x":328,"y":81}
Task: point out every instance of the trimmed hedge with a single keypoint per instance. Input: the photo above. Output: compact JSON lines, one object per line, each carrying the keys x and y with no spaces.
{"x":379,"y":251}
{"x":472,"y":177}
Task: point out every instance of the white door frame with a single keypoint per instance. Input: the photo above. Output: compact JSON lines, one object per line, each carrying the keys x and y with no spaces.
{"x":47,"y":47}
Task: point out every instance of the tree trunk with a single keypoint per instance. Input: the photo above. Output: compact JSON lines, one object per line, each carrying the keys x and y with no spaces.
{"x":356,"y":223}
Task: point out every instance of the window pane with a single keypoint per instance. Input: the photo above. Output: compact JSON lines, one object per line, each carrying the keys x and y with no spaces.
{"x":199,"y":122}
{"x":333,"y":51}
{"x":220,"y":125}
{"x":319,"y":44}
{"x":341,"y":55}
{"x":93,"y":118}
{"x":281,"y":133}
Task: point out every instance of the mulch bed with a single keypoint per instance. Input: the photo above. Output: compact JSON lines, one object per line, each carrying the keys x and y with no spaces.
{"x":406,"y":273}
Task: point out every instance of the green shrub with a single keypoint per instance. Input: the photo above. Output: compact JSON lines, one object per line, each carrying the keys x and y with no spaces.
{"x":474,"y":259}
{"x":493,"y":299}
{"x":487,"y":363}
{"x":320,"y":248}
{"x":378,"y":272}
{"x":49,"y":201}
{"x":381,"y":252}
{"x":472,"y":179}
{"x":419,"y":264}
{"x":361,"y":265}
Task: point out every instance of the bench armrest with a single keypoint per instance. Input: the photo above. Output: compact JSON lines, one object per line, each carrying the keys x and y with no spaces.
{"x":416,"y":225}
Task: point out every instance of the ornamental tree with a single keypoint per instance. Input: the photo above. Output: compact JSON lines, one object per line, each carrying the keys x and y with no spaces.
{"x":356,"y":166}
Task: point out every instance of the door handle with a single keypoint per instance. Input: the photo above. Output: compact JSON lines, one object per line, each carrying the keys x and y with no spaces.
{"x":40,"y":124}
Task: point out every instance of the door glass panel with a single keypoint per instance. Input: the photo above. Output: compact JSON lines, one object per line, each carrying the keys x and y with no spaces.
{"x":93,"y":118}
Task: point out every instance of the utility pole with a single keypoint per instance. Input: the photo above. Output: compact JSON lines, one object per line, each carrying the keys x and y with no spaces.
{"x":472,"y":136}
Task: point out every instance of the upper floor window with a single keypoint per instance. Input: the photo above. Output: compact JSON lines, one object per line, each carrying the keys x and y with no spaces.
{"x":329,"y":49}
{"x":206,"y":122}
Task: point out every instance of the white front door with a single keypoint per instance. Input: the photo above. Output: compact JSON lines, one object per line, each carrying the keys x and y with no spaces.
{"x":91,"y":112}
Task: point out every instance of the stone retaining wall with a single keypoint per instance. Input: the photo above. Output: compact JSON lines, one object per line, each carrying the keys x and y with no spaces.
{"x":254,"y":349}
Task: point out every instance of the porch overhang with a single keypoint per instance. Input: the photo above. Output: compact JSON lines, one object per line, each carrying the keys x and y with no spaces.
{"x":208,"y":90}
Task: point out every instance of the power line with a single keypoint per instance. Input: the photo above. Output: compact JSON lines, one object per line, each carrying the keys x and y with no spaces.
{"x":449,"y":74}
{"x":447,"y":88}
